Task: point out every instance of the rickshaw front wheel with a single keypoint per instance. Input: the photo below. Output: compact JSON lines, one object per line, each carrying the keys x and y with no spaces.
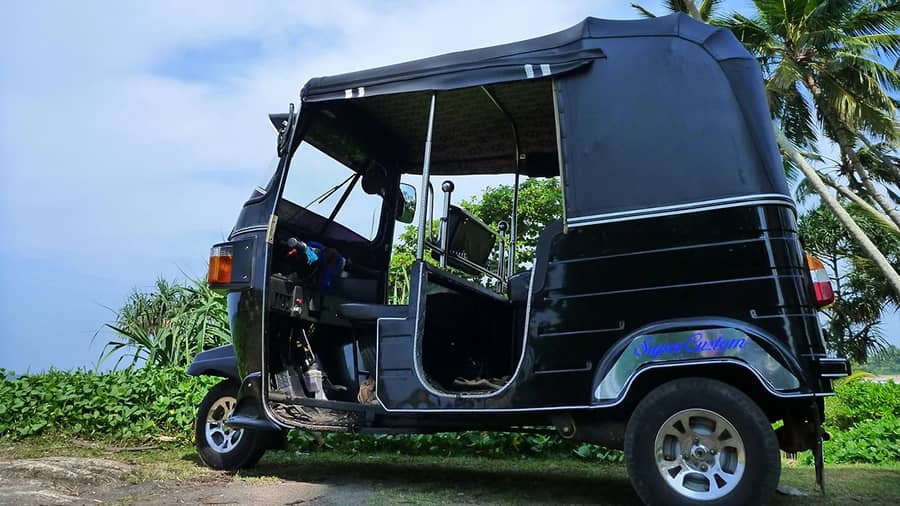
{"x":218,"y":445}
{"x":700,"y":441}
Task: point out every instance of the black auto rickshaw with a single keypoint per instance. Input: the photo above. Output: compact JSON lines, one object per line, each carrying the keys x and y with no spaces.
{"x":670,"y":313}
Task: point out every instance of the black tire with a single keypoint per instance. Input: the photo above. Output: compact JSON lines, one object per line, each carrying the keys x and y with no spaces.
{"x":217,"y":454}
{"x":699,"y":399}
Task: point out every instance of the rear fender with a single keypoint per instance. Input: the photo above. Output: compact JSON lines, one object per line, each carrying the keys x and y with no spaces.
{"x":695,"y":343}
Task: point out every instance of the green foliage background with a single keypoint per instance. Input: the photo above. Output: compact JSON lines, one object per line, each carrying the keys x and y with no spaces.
{"x":864,"y":421}
{"x":129,"y":404}
{"x":862,"y":294}
{"x":137,"y":405}
{"x":169,"y":325}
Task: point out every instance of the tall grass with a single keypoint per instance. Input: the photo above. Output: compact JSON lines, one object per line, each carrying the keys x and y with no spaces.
{"x":167,"y":326}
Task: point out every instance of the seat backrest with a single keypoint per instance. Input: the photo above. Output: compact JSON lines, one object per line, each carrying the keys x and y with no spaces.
{"x":469,"y":238}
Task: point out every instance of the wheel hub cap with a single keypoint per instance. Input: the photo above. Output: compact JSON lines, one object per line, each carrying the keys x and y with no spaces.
{"x":219,"y":436}
{"x":700,"y":454}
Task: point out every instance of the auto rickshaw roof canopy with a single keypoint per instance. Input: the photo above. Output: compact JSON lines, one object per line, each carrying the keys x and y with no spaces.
{"x":648,"y":114}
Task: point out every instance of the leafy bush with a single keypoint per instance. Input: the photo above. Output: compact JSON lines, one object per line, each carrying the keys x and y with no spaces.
{"x":468,"y":443}
{"x":864,"y":421}
{"x":857,"y":402}
{"x":136,"y":404}
{"x":131,"y":404}
{"x":871,"y":442}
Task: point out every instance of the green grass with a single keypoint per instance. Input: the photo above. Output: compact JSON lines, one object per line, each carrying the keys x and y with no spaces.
{"x":397,"y":479}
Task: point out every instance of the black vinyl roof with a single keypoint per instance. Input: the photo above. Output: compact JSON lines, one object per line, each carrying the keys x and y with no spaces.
{"x":561,"y":51}
{"x":656,"y":113}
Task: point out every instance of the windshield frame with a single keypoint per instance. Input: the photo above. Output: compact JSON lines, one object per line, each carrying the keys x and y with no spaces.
{"x":346,"y":188}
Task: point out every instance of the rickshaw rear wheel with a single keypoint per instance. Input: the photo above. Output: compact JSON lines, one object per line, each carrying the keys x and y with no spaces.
{"x":220,"y":446}
{"x":701,"y":441}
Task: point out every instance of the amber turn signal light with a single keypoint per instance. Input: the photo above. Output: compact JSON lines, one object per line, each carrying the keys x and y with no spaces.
{"x":220,"y":261}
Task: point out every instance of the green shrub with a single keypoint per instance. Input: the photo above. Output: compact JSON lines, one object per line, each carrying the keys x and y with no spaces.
{"x":130,"y":404}
{"x":466,"y":443}
{"x":136,"y":404}
{"x":861,"y":401}
{"x":864,"y":421}
{"x":871,"y":442}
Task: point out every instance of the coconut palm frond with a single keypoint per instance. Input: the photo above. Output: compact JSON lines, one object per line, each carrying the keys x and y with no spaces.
{"x":708,"y":9}
{"x":643,"y":11}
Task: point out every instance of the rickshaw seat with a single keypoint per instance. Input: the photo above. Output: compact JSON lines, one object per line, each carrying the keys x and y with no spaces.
{"x":371,"y":312}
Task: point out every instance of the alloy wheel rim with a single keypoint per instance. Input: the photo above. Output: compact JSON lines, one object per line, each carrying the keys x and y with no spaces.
{"x":219,"y":436}
{"x":700,"y":454}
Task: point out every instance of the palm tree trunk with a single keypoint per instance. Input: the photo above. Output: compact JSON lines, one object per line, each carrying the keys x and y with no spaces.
{"x":845,"y":142}
{"x":843,"y":216}
{"x":693,"y":11}
{"x":850,"y":194}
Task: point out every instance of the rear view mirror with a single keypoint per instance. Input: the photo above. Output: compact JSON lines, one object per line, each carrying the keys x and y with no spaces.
{"x":406,"y":208}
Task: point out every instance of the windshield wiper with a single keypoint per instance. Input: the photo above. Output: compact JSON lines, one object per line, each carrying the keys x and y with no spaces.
{"x":340,"y":204}
{"x":328,"y":193}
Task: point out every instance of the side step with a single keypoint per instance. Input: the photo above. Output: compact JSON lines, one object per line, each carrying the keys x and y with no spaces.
{"x":323,"y":415}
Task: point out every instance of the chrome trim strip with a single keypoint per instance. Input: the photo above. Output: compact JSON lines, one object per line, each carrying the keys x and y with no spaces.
{"x":694,"y":207}
{"x":587,"y":367}
{"x":620,"y":326}
{"x":685,"y":205}
{"x":658,"y":250}
{"x":653,"y":288}
{"x":244,"y":230}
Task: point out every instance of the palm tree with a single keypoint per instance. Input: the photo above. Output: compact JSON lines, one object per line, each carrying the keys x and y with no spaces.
{"x":870,"y":28}
{"x":822,"y":63}
{"x":704,"y":13}
{"x":855,"y":231}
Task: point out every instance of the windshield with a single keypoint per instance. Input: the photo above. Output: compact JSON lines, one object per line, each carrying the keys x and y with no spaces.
{"x":267,"y":172}
{"x":326,"y":187}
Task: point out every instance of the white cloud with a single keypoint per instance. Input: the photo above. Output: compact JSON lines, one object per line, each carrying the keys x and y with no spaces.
{"x":126,"y":171}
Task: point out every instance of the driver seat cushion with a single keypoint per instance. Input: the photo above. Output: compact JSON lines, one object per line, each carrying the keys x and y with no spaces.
{"x":518,"y":286}
{"x":371,"y":312}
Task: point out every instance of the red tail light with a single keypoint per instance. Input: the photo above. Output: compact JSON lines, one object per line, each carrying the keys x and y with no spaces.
{"x":821,"y":281}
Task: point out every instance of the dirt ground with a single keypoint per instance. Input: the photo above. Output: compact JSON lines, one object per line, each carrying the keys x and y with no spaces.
{"x":54,"y":472}
{"x":76,"y":480}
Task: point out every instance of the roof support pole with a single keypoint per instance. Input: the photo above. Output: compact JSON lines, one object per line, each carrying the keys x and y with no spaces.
{"x":510,"y":269}
{"x":426,"y":169}
{"x":511,"y":258}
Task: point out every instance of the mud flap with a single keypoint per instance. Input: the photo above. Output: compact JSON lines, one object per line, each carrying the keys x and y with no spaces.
{"x":819,"y":459}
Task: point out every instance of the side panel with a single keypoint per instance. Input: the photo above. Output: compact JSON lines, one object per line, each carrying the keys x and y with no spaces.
{"x":600,"y":285}
{"x":596,"y":288}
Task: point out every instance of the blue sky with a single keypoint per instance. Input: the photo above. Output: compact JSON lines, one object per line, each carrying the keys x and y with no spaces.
{"x":131,"y":132}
